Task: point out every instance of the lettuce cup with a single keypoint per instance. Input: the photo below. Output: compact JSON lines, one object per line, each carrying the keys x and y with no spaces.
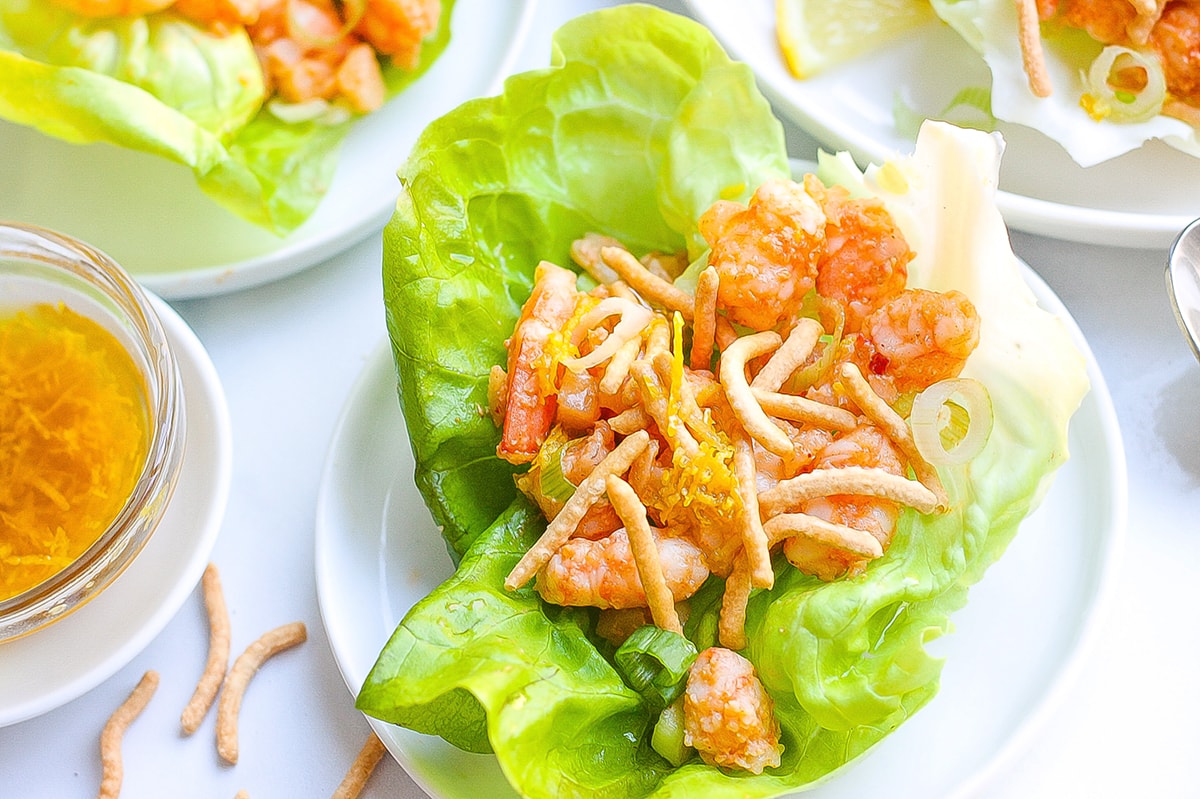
{"x":256,"y":106}
{"x":1099,"y":79}
{"x":642,"y":133}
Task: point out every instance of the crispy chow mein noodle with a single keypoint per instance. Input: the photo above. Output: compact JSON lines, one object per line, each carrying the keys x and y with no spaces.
{"x":754,"y":425}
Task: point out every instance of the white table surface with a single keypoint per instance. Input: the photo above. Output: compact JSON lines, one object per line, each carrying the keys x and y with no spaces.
{"x":287,"y":353}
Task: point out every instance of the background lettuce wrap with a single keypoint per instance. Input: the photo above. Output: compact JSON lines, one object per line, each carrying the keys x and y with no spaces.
{"x":640,"y":123}
{"x":990,"y":27}
{"x":162,"y":84}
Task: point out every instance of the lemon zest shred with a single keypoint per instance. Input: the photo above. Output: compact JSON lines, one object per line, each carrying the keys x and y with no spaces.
{"x":700,"y":488}
{"x":560,"y":346}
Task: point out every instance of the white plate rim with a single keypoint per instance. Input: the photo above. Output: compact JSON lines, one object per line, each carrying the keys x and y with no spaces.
{"x":1114,"y":544}
{"x":354,"y":665}
{"x":1029,"y":214}
{"x":182,"y":544}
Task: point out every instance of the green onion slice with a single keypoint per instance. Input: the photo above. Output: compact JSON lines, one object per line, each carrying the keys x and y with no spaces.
{"x":551,"y":480}
{"x":1110,"y":97}
{"x":951,"y":421}
{"x":655,"y":662}
{"x":815,"y":372}
{"x":691,"y":276}
{"x":667,"y":738}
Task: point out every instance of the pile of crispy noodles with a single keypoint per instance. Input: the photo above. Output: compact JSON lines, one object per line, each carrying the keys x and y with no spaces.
{"x":710,"y":421}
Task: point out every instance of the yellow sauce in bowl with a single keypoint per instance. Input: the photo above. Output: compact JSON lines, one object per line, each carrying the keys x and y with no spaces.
{"x":74,"y":434}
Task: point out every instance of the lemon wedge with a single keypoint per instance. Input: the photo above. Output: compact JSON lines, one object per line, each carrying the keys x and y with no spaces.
{"x":817,"y":34}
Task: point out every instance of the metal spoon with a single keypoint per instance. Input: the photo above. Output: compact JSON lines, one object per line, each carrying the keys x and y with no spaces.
{"x":1183,"y":282}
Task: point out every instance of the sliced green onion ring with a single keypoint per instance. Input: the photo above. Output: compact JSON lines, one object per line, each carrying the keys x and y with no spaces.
{"x":1121,"y":104}
{"x":951,"y":421}
{"x":655,"y":662}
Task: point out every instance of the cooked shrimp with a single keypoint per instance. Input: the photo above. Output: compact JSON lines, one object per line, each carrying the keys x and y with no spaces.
{"x":766,"y":253}
{"x":299,"y":45}
{"x":397,"y":27}
{"x":530,"y":408}
{"x":603,"y":573}
{"x":866,"y":445}
{"x":294,"y":76}
{"x":220,"y":14}
{"x":1107,"y":21}
{"x":359,"y":80}
{"x":581,"y":455}
{"x":113,"y":8}
{"x":728,"y":716}
{"x":919,"y":338}
{"x":307,"y":54}
{"x":1176,"y":39}
{"x":865,"y":259}
{"x":578,"y":458}
{"x":807,"y":442}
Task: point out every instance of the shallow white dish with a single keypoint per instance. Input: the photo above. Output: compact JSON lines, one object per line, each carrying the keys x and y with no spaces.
{"x":1142,"y":199}
{"x":148,"y":214}
{"x":1017,"y":644}
{"x":54,"y":665}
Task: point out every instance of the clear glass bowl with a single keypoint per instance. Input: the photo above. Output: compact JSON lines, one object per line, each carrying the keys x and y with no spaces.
{"x":41,"y":266}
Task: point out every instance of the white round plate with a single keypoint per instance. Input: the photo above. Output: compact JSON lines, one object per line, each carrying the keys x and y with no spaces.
{"x":148,"y":214}
{"x":1141,"y":199}
{"x":52,"y":666}
{"x":1016,"y":645}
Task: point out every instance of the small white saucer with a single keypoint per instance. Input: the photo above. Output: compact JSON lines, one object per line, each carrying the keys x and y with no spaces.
{"x":52,"y":666}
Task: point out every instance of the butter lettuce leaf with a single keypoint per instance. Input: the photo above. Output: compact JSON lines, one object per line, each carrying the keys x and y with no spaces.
{"x":164,"y":85}
{"x":629,"y":133}
{"x":591,"y":143}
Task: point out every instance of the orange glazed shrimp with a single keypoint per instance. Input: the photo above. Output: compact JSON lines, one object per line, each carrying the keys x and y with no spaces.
{"x":603,"y":574}
{"x":577,"y":458}
{"x":295,"y":40}
{"x":766,"y":253}
{"x":397,"y":27}
{"x":919,"y":338}
{"x":728,"y":716}
{"x":221,"y":14}
{"x":113,"y":8}
{"x":1176,"y":39}
{"x":530,"y":408}
{"x":1106,"y":21}
{"x":307,"y":55}
{"x":865,"y":259}
{"x":865,"y":445}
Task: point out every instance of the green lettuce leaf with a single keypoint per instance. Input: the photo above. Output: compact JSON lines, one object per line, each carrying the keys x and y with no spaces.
{"x":588,"y":144}
{"x":629,"y":133}
{"x":990,"y":28}
{"x":166,"y":86}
